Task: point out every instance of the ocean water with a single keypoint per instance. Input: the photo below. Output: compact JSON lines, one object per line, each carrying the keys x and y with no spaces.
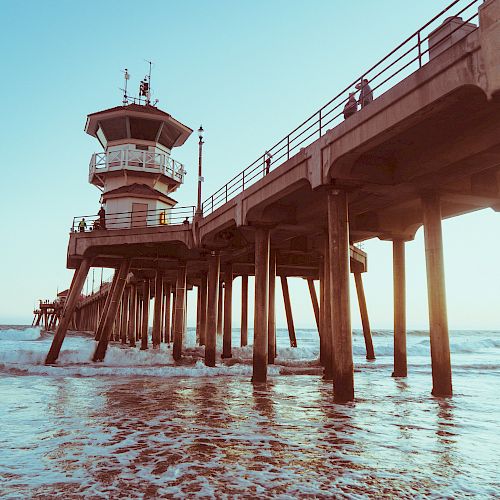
{"x":140,"y":426}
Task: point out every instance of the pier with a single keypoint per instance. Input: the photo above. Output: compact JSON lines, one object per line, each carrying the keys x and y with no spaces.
{"x":426,"y":148}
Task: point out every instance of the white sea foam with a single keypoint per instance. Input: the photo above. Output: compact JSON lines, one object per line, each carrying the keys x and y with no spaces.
{"x":24,"y":352}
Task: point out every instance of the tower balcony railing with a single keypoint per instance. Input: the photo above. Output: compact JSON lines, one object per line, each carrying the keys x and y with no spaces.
{"x":160,"y":217}
{"x":144,"y":161}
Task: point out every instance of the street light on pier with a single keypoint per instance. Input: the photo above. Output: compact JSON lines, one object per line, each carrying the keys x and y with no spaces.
{"x":199,"y":212}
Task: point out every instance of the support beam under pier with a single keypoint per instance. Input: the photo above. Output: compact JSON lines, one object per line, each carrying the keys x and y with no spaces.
{"x":338,"y":229}
{"x":114,"y":304}
{"x":261,"y":312}
{"x":436,"y":290}
{"x":363,"y":311}
{"x":399,"y":278}
{"x":180,"y":309}
{"x":74,"y":293}
{"x":213,"y":301}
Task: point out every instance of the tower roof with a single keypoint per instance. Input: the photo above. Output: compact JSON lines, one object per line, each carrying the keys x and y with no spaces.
{"x":135,"y":121}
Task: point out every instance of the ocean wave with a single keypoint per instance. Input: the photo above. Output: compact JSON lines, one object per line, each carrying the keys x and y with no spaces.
{"x":16,"y":334}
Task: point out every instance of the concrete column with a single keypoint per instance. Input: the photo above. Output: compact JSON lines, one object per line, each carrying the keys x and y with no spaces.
{"x":203,"y":308}
{"x":104,"y":312}
{"x":271,"y":323}
{"x":329,"y":354}
{"x":102,"y":346}
{"x":438,"y":319}
{"x":132,"y":315}
{"x":167,"y":313}
{"x":244,"y":311}
{"x":180,"y":303}
{"x":124,"y":316}
{"x":322,"y":310}
{"x":338,"y":224}
{"x":156,"y":334}
{"x":213,"y":300}
{"x":220,"y":315}
{"x":288,"y":311}
{"x":399,"y":280}
{"x":314,"y":300}
{"x":69,"y":308}
{"x":261,"y":312}
{"x":198,"y":314}
{"x":363,"y":310}
{"x":145,"y":314}
{"x":228,"y":312}
{"x":174,"y":310}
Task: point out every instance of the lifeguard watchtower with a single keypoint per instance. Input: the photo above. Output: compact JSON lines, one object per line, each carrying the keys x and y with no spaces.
{"x":135,"y":171}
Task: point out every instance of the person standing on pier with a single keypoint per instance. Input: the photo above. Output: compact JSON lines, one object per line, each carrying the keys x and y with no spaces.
{"x":82,"y":225}
{"x":102,"y":217}
{"x":366,"y":93}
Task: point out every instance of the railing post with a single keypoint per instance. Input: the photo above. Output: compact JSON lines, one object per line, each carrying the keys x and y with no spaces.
{"x":243,"y":183}
{"x":287,"y":147}
{"x":226,"y":193}
{"x":319,"y":122}
{"x":419,"y":50}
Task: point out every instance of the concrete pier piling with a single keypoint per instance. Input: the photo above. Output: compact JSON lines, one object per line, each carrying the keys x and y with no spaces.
{"x":132,"y":314}
{"x":104,"y":312}
{"x":365,"y":321}
{"x":271,"y":324}
{"x":167,"y":313}
{"x":111,"y":315}
{"x":145,"y":314}
{"x":338,"y":225}
{"x":212,"y":307}
{"x":220,"y":309}
{"x":156,"y":334}
{"x":124,"y":315}
{"x":288,"y":311}
{"x":67,"y":314}
{"x":328,"y":356}
{"x":261,"y":312}
{"x":203,"y":307}
{"x":228,"y":312}
{"x":322,"y":311}
{"x":180,"y":310}
{"x":244,"y":311}
{"x":438,"y":319}
{"x":399,"y":278}
{"x":314,"y":300}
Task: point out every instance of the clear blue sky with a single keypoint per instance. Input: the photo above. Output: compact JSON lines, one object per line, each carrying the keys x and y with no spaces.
{"x":249,"y":72}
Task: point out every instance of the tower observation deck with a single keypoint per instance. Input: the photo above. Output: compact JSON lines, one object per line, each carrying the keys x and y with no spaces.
{"x":135,"y":171}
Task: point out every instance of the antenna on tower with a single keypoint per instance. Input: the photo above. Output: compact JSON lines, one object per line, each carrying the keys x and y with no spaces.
{"x":145,"y":86}
{"x":127,"y":78}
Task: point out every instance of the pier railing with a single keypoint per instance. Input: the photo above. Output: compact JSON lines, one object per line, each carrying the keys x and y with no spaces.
{"x":136,"y":219}
{"x":136,"y":160}
{"x":407,"y":57}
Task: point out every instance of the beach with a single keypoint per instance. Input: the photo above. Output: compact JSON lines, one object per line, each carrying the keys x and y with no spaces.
{"x":140,"y":426}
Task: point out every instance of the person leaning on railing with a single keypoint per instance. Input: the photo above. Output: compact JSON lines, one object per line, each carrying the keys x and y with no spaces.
{"x":365,"y":94}
{"x":351,"y":106}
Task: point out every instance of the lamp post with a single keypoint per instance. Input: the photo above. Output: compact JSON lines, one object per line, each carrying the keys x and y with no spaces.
{"x":199,"y":212}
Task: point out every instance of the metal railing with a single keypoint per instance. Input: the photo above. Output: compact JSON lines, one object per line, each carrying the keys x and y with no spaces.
{"x":136,"y":159}
{"x":136,"y":219}
{"x":407,"y":57}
